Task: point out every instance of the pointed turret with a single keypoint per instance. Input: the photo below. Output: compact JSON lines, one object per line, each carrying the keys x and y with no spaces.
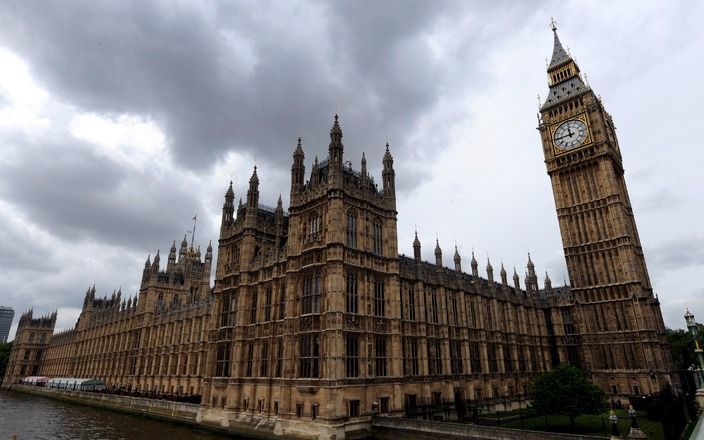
{"x":155,"y":264}
{"x":475,"y":267}
{"x":363,"y":169}
{"x":416,"y":248}
{"x":489,"y":272}
{"x":279,"y":211}
{"x":438,"y":254}
{"x":559,"y":54}
{"x":253,"y":191}
{"x":183,"y":249}
{"x":516,"y":280}
{"x":298,"y":169}
{"x":458,"y":260}
{"x":228,"y":208}
{"x":389,"y":176}
{"x":548,"y":283}
{"x":335,"y":149}
{"x":172,"y":258}
{"x":504,"y":277}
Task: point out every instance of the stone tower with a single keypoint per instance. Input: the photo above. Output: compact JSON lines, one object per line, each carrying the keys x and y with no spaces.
{"x":622,"y":341}
{"x":30,"y":342}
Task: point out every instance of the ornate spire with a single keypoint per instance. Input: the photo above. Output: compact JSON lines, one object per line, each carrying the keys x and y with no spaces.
{"x":438,"y":253}
{"x":458,"y":260}
{"x":253,"y":191}
{"x":335,"y":149}
{"x":416,"y":248}
{"x":559,"y":54}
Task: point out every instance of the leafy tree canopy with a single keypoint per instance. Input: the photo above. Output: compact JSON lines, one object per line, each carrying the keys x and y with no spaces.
{"x":682,"y":347}
{"x":4,"y":357}
{"x":565,"y":390}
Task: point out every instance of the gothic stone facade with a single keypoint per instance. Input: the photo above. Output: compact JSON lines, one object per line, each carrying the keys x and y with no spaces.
{"x":155,"y":342}
{"x":315,"y":322}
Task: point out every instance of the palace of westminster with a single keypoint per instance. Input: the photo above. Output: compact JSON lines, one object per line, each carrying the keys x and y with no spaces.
{"x":317,"y":322}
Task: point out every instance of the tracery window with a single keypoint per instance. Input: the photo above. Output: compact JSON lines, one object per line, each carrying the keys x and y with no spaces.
{"x":309,"y":361}
{"x":264,"y":361}
{"x":380,"y":356}
{"x":351,"y":355}
{"x":351,"y":229}
{"x":475,"y":357}
{"x":314,"y":227}
{"x":267,"y":305}
{"x":282,"y":301}
{"x":410,"y":355}
{"x":351,"y":294}
{"x":379,"y":297}
{"x":377,"y":247}
{"x":455,"y":357}
{"x":434,"y":357}
{"x":311,"y":294}
{"x":222,"y":364}
{"x":253,"y":307}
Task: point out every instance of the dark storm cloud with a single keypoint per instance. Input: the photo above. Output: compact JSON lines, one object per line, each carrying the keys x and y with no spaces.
{"x":239,"y":76}
{"x":63,"y":187}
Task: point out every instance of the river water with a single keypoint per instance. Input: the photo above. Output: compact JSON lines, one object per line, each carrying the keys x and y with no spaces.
{"x":34,"y":417}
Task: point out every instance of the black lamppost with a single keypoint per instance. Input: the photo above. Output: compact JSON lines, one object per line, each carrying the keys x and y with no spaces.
{"x":633,"y":415}
{"x":613,"y":419}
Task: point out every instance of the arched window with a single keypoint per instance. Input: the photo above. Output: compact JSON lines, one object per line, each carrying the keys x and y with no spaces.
{"x":351,"y":229}
{"x":376,"y":237}
{"x":311,"y":294}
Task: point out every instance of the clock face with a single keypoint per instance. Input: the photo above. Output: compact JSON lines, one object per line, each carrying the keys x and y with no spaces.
{"x":570,"y":134}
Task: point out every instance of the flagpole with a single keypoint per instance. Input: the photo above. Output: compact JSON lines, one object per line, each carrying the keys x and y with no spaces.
{"x":193,"y":234}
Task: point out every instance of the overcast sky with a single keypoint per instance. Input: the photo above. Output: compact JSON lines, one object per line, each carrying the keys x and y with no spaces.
{"x":121,"y":120}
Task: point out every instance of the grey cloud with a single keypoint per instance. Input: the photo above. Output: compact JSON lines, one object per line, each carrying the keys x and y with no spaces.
{"x":80,"y":196}
{"x":679,"y":253}
{"x":368,"y":61}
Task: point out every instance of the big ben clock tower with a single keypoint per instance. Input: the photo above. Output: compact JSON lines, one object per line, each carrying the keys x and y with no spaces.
{"x":620,"y":326}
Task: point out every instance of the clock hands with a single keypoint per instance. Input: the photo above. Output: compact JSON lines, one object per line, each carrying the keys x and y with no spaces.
{"x":569,"y":134}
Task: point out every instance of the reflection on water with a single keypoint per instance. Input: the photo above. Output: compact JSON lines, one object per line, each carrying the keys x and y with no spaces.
{"x":34,"y":417}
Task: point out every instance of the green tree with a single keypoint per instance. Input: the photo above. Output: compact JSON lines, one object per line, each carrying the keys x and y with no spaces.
{"x":565,"y":390}
{"x":682,"y":347}
{"x":4,"y":357}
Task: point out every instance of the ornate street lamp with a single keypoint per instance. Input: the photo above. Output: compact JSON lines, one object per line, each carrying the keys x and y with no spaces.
{"x":613,"y":419}
{"x":634,"y":416}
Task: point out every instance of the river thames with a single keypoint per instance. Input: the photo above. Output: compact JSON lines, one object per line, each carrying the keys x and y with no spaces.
{"x":34,"y":417}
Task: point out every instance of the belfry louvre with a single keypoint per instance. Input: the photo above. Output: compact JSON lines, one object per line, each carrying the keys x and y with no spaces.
{"x":315,"y":321}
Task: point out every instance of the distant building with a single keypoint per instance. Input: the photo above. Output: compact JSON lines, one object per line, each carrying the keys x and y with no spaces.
{"x":6,"y":316}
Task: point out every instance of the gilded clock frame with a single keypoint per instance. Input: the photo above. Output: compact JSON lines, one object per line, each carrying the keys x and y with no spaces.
{"x":557,"y":150}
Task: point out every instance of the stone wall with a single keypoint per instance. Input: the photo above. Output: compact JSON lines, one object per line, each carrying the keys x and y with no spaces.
{"x":392,"y":428}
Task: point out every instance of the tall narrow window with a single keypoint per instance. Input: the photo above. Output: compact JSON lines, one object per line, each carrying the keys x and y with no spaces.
{"x":314,"y":228}
{"x":249,"y":362}
{"x":264,"y":363}
{"x":378,"y":297}
{"x":311,"y":294}
{"x":491,"y":354}
{"x":434,"y":357}
{"x":253,"y":307}
{"x":351,"y":298}
{"x":433,"y":306}
{"x":267,"y":305}
{"x":455,"y":357}
{"x":279,"y":356}
{"x":222,"y":365}
{"x":377,"y":247}
{"x":380,"y":356}
{"x":282,"y":302}
{"x":508,"y":358}
{"x":411,"y":303}
{"x":309,"y":361}
{"x":454,"y":312}
{"x":410,"y":364}
{"x":351,"y":355}
{"x":351,"y":229}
